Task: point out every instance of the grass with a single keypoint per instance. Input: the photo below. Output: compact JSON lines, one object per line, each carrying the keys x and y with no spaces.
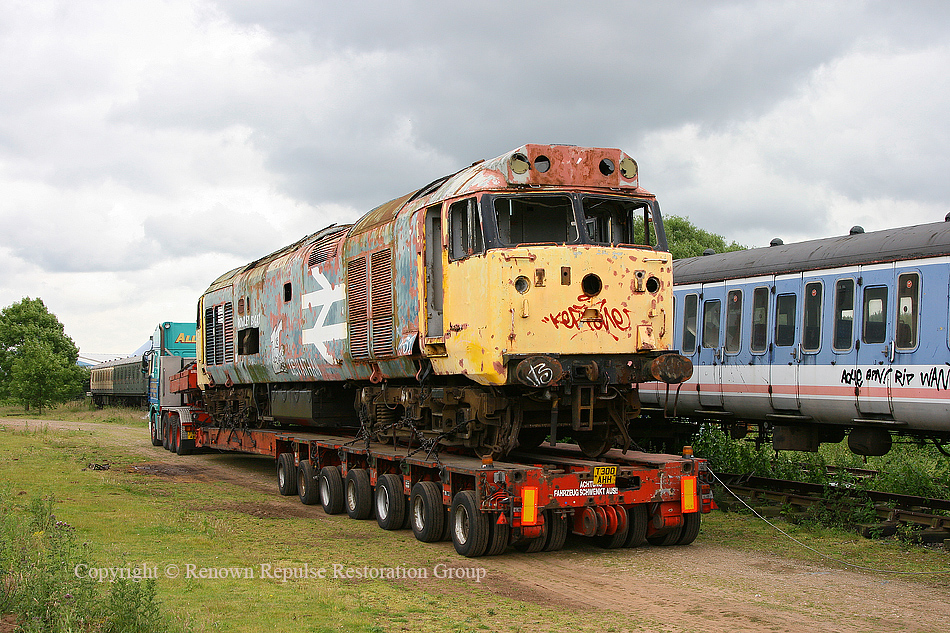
{"x":125,"y":518}
{"x":79,"y":411}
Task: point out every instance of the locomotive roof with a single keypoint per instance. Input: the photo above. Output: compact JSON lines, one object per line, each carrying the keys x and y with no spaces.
{"x":910,"y":242}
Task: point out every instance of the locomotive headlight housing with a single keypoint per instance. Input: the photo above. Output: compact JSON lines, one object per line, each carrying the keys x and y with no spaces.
{"x":522,"y":284}
{"x":591,"y":285}
{"x":628,"y":168}
{"x":519,"y":163}
{"x":653,"y":285}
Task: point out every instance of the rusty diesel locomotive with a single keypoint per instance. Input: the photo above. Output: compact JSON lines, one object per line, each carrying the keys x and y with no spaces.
{"x":519,"y":299}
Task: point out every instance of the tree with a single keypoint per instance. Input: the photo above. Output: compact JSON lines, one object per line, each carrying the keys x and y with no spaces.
{"x":37,"y":359}
{"x":687,"y":240}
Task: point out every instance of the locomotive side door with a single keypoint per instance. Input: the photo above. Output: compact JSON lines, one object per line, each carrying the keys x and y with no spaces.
{"x":433,"y":271}
{"x":786,"y":348}
{"x":875,"y":339}
{"x":709,"y":367}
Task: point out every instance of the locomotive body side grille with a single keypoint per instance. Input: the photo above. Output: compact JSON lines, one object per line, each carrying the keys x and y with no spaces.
{"x":382,"y":303}
{"x":357,"y":306}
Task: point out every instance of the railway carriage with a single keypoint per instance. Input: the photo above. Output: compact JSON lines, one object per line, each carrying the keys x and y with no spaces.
{"x":119,"y":382}
{"x":519,"y":299}
{"x":814,"y":340}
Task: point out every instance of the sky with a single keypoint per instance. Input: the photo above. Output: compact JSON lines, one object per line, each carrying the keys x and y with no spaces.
{"x":147,"y":146}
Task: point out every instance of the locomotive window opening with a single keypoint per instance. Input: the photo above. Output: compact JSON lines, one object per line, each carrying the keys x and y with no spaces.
{"x":811,"y":328}
{"x":466,"y":230}
{"x":249,"y":341}
{"x":535,"y":220}
{"x":711,"y":317}
{"x":785,"y":306}
{"x":690,"y":311}
{"x":844,"y":314}
{"x":875,"y":314}
{"x":613,"y":221}
{"x":907,"y":310}
{"x":733,"y":321}
{"x":288,"y":291}
{"x":760,"y":319}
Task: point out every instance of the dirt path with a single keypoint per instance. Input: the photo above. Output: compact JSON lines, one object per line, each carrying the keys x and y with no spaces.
{"x":697,"y":588}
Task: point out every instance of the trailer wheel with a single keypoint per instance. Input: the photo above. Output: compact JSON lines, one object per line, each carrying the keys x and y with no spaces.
{"x":286,"y":474}
{"x":470,"y":526}
{"x":426,"y":512}
{"x":390,"y":502}
{"x":557,"y":531}
{"x":331,"y":489}
{"x":359,"y":494}
{"x":691,"y":524}
{"x":532,"y":545}
{"x":498,"y":539}
{"x":181,"y":446}
{"x":637,"y":520}
{"x":153,"y":429}
{"x":615,"y":540}
{"x":307,"y":488}
{"x":174,"y":432}
{"x":669,"y":538}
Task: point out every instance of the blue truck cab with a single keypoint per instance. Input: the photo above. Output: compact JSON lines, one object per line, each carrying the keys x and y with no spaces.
{"x":173,"y":346}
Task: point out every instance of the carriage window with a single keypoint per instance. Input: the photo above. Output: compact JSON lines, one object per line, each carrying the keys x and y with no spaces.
{"x":844,"y":314}
{"x":690,"y":309}
{"x":907,"y":300}
{"x":785,"y":320}
{"x":466,"y":229}
{"x":811,"y":329}
{"x":535,"y":220}
{"x":711,"y":323}
{"x":733,"y":320}
{"x":760,"y":319}
{"x":875,"y":314}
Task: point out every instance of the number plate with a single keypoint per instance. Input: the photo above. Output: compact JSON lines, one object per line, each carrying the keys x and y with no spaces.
{"x":605,"y":475}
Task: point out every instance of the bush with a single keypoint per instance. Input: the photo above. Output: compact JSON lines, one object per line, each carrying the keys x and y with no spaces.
{"x":39,"y":584}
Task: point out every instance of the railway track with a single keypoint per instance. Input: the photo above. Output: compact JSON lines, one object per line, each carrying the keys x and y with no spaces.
{"x":932,"y":516}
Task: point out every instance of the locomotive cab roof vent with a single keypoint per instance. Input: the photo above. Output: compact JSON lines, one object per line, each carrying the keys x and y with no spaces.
{"x":856,"y":230}
{"x":708,"y":251}
{"x":776,"y":241}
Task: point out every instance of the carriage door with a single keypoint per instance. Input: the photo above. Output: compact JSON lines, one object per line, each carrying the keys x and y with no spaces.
{"x":786,"y":348}
{"x":709,"y":367}
{"x":875,"y":344}
{"x":434,"y":294}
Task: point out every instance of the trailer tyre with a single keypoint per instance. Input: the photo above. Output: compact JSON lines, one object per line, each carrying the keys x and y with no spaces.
{"x":470,"y":526}
{"x":637,"y":520}
{"x":615,"y":540}
{"x":181,"y":445}
{"x":286,"y":474}
{"x":669,"y":538}
{"x":359,"y":494}
{"x":557,"y":531}
{"x":174,"y":432}
{"x":390,"y":502}
{"x":691,"y":525}
{"x":331,"y":489}
{"x":307,"y":488}
{"x":166,"y":436}
{"x":426,"y":512}
{"x":499,"y":539}
{"x":532,"y":545}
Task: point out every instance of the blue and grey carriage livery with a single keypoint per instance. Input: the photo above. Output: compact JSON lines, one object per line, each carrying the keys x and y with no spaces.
{"x":818,"y":339}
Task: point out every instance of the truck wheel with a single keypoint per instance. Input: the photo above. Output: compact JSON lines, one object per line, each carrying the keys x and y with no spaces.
{"x":331,"y":489}
{"x":557,"y":531}
{"x":359,"y":494}
{"x":307,"y":488}
{"x":390,"y":502}
{"x":181,"y":445}
{"x":286,"y":474}
{"x":637,"y":520}
{"x":470,"y":526}
{"x":426,"y":512}
{"x":499,"y":538}
{"x":691,"y":524}
{"x":174,"y":432}
{"x":153,"y":428}
{"x":166,"y":436}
